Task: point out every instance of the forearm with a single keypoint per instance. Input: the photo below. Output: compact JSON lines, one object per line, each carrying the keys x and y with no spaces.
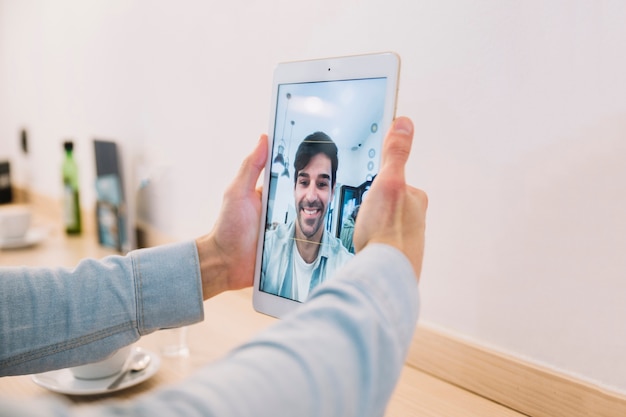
{"x":55,"y":318}
{"x":340,"y":354}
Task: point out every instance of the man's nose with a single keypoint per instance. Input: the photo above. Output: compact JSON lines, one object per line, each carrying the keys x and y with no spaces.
{"x":311,"y":194}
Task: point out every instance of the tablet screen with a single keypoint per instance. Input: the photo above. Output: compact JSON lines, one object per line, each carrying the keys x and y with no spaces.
{"x":326,"y":147}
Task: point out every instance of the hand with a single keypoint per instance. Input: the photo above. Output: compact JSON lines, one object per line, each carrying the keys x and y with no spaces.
{"x":227,"y":254}
{"x":394,"y":212}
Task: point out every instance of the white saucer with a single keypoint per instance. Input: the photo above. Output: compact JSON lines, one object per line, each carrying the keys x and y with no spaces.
{"x":64,"y":382}
{"x":32,"y":237}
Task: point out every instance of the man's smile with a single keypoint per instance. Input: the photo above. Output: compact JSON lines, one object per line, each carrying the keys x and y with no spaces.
{"x":311,"y":213}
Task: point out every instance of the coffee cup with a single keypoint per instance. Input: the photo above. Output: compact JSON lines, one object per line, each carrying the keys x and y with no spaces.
{"x":14,"y":221}
{"x":104,"y":368}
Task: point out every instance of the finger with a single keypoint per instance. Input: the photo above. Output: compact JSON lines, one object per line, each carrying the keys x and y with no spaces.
{"x":397,"y":147}
{"x":253,"y":165}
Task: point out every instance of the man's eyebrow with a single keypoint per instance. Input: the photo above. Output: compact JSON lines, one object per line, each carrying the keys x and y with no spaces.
{"x":306,"y":175}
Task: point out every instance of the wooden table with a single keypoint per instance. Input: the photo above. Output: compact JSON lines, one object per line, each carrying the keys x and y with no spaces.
{"x":229,"y":321}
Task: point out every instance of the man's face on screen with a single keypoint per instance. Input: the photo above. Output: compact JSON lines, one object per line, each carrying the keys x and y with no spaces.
{"x":313,"y":193}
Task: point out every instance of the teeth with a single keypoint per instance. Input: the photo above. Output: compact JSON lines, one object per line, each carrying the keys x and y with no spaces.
{"x":310,"y":212}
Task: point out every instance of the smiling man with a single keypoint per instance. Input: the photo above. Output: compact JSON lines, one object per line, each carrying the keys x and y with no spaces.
{"x":299,"y":256}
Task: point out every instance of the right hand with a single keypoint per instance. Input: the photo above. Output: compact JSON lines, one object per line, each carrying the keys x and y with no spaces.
{"x":393,"y":212}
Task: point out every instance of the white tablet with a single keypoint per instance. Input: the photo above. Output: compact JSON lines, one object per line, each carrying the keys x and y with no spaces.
{"x":327,"y":123}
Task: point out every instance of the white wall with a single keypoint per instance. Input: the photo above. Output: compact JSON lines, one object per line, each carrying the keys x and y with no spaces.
{"x":520,"y":110}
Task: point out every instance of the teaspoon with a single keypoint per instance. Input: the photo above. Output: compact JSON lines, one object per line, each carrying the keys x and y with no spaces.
{"x":138,"y":364}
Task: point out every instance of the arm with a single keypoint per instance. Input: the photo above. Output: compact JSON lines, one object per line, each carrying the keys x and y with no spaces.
{"x":52,"y":318}
{"x":56,"y":318}
{"x":339,"y":355}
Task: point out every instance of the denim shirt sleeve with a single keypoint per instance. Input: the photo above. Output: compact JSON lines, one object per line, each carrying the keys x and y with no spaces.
{"x":340,"y":354}
{"x":52,"y":318}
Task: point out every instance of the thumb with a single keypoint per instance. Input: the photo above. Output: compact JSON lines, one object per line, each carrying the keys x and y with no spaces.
{"x":396,"y":148}
{"x":253,"y":165}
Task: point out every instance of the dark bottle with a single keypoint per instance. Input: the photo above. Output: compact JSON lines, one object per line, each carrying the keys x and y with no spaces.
{"x":71,"y":196}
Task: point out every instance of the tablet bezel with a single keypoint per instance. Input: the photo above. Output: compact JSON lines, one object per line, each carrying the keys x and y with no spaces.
{"x":377,"y":65}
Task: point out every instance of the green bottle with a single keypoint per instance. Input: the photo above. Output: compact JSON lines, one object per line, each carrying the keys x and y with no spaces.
{"x":71,"y":196}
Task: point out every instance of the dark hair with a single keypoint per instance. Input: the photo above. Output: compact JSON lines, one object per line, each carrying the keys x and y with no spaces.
{"x":316,"y":143}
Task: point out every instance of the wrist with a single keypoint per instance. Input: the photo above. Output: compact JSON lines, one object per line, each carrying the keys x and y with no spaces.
{"x":213,"y":268}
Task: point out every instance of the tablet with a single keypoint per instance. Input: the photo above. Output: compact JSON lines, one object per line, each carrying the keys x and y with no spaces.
{"x":327,"y":123}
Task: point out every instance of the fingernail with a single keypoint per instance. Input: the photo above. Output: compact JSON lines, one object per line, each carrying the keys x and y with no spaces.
{"x":403,"y":125}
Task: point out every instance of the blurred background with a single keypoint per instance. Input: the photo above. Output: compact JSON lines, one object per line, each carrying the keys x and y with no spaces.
{"x":520,"y":114}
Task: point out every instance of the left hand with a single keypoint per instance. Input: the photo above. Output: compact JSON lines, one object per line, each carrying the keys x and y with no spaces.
{"x":227,"y":254}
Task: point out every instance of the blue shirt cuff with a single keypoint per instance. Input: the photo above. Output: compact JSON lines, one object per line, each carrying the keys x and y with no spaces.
{"x":168,"y":285}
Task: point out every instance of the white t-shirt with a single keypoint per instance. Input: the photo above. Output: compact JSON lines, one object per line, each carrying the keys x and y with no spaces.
{"x":302,"y":273}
